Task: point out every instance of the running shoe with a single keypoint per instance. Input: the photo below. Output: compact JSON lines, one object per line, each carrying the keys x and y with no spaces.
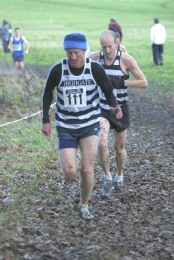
{"x":118,"y":186}
{"x":107,"y":188}
{"x":85,"y":214}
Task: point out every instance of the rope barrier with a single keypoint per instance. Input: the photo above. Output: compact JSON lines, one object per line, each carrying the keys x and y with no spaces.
{"x":26,"y":117}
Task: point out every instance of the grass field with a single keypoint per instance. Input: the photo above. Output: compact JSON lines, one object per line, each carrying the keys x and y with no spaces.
{"x":45,"y":23}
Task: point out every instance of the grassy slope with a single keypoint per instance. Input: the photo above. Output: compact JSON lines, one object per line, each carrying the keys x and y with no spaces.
{"x":28,"y":160}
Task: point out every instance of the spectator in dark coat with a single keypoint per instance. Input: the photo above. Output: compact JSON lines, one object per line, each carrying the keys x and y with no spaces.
{"x":5,"y":35}
{"x":115,"y":27}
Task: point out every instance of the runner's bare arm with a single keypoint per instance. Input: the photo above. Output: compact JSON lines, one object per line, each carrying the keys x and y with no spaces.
{"x":129,"y":64}
{"x":94,"y":55}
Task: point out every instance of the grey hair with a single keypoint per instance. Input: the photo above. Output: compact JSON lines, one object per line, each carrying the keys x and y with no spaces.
{"x":116,"y":36}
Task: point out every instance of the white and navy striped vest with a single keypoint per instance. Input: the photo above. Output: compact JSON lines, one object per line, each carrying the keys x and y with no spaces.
{"x":114,"y":70}
{"x":78,"y":103}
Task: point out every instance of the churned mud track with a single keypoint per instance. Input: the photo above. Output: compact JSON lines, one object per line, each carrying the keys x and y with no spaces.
{"x":138,"y":224}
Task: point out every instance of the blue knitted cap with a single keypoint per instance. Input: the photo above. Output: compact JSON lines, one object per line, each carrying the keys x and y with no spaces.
{"x":75,"y":41}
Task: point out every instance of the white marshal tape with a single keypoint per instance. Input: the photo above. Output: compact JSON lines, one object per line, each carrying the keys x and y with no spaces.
{"x":24,"y":118}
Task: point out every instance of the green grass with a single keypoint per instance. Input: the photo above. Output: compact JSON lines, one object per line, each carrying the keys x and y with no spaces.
{"x":45,"y":24}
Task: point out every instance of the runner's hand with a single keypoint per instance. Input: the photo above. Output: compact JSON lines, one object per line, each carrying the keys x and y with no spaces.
{"x":117,"y":112}
{"x":46,"y":129}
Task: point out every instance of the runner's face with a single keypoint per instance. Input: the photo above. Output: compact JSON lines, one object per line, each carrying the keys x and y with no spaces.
{"x":76,"y":57}
{"x":17,"y":33}
{"x":109,"y":47}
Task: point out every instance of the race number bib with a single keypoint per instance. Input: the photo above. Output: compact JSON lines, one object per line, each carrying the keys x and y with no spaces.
{"x":75,"y":96}
{"x":17,"y":47}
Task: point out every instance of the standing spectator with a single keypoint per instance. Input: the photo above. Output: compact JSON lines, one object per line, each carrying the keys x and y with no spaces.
{"x":16,"y":45}
{"x":5,"y":35}
{"x":118,"y":66}
{"x":77,"y":112}
{"x":115,"y":27}
{"x":157,"y":38}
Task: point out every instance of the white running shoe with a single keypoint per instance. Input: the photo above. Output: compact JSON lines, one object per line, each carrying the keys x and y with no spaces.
{"x":107,"y":188}
{"x":85,"y":214}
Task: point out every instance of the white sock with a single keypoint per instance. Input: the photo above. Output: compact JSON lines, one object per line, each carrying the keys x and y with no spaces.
{"x":119,"y":178}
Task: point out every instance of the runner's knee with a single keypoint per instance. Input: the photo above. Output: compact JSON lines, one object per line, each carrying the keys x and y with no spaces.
{"x":70,"y":173}
{"x":103,"y":145}
{"x":120,"y":149}
{"x":87,"y":173}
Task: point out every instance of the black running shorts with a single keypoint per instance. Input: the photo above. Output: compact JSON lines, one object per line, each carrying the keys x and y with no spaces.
{"x":118,"y":124}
